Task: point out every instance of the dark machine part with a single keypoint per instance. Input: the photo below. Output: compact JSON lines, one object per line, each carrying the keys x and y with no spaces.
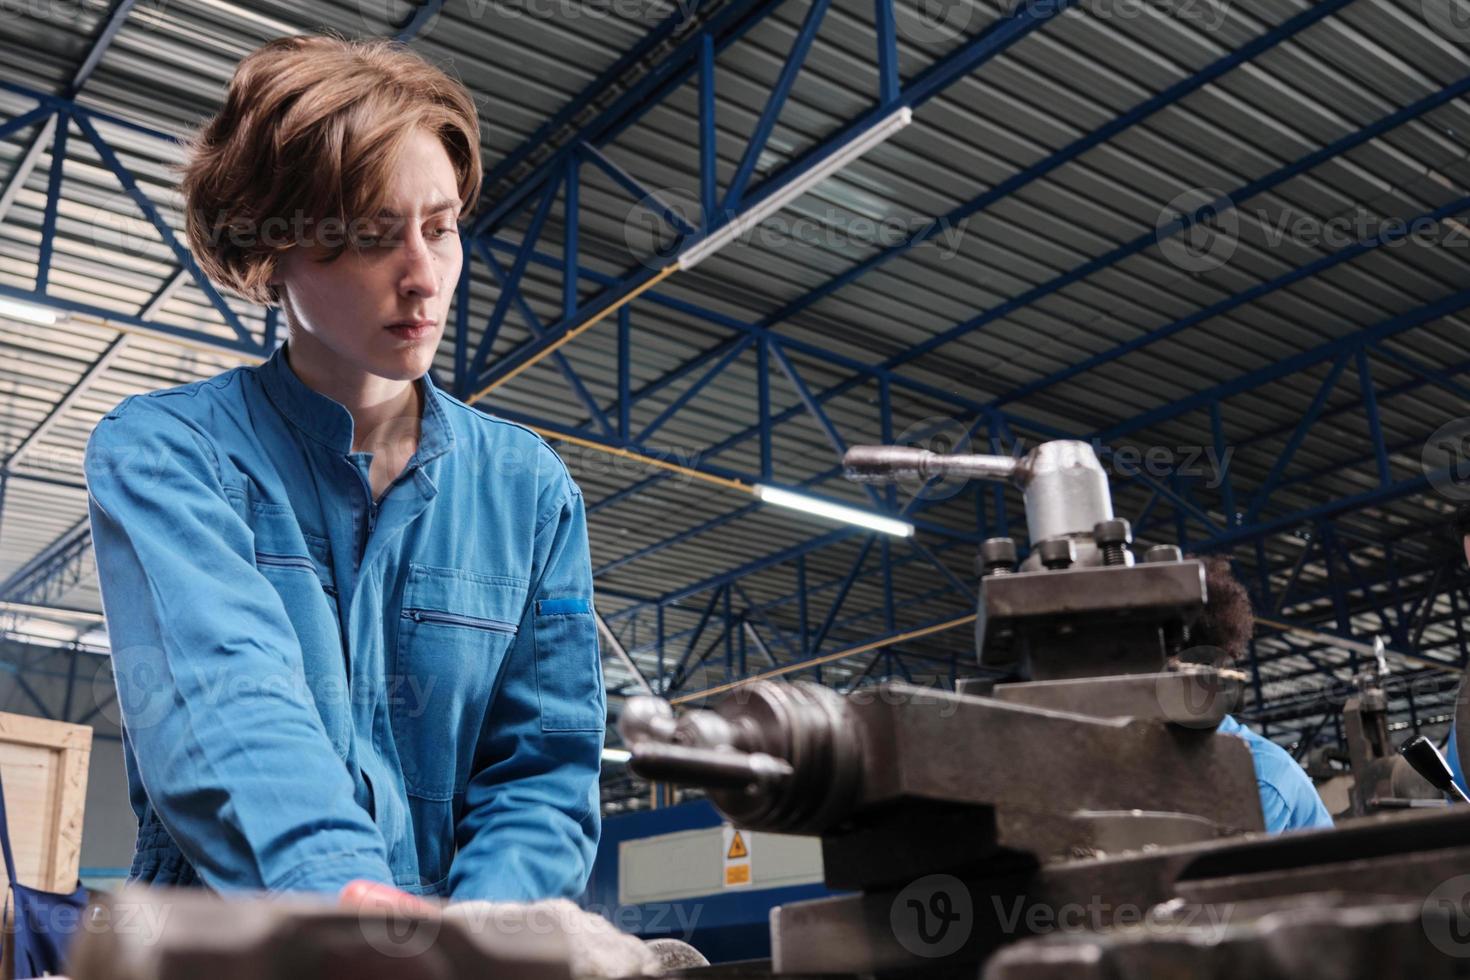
{"x":1147,"y":901}
{"x":1424,"y":757}
{"x":1325,"y":936}
{"x":145,"y":933}
{"x":1086,"y":622}
{"x":940,"y":761}
{"x":1096,"y":779}
{"x":775,"y":756}
{"x":1382,"y":779}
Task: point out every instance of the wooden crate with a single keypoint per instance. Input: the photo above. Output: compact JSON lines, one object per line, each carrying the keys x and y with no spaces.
{"x":44,"y":769}
{"x":44,"y":765}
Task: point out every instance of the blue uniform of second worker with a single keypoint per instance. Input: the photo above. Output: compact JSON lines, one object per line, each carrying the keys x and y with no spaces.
{"x":1289,"y":801}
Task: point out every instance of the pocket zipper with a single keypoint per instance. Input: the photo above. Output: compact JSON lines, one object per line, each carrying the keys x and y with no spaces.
{"x":451,"y":619}
{"x":285,"y":561}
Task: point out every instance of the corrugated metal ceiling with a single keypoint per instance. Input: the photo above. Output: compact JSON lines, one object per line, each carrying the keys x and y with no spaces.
{"x":168,"y":65}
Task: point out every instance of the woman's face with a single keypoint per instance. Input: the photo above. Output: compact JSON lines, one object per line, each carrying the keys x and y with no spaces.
{"x":380,"y":310}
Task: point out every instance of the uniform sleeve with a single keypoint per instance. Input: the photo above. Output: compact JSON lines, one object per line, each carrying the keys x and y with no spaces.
{"x":531,"y":819}
{"x":1289,"y":801}
{"x":229,"y":745}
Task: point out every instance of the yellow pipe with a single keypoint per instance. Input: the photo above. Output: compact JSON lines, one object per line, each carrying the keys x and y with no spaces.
{"x":662,"y":464}
{"x":565,"y":338}
{"x":828,"y":658}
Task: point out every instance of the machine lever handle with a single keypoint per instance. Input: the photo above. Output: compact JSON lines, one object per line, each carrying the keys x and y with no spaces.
{"x":1422,"y":754}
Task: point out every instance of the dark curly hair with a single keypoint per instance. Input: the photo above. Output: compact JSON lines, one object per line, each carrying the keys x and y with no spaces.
{"x":1227,"y":622}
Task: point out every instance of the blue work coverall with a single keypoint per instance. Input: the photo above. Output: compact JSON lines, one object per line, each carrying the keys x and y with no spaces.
{"x":1289,"y":801}
{"x":316,"y":687}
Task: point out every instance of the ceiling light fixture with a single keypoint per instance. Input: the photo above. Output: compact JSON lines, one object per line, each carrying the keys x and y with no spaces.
{"x":782,"y":196}
{"x":25,"y":311}
{"x":837,"y":512}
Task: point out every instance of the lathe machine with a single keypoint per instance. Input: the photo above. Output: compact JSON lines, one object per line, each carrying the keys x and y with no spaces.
{"x":1081,"y":818}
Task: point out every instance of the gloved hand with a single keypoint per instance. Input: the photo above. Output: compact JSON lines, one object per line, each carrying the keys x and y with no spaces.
{"x":598,"y":949}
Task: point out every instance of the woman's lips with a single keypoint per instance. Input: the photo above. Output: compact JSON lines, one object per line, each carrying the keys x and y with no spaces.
{"x":414,"y":330}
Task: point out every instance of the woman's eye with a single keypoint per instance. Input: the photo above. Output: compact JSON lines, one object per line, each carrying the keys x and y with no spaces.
{"x":439,"y":233}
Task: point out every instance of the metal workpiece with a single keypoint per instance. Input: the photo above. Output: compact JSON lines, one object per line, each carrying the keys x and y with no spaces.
{"x":1064,"y":486}
{"x":647,"y":719}
{"x":712,"y":769}
{"x":772,"y":756}
{"x":155,"y":933}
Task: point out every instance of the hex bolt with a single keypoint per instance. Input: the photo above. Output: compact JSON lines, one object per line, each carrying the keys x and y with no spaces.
{"x":997,"y":557}
{"x":1057,"y":553}
{"x":1163,"y":552}
{"x":1113,"y":537}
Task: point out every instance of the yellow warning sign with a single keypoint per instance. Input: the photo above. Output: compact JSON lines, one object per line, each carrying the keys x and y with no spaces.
{"x":737,"y":847}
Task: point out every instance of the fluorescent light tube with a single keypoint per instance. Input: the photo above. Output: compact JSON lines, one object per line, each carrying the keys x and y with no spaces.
{"x":837,"y":512}
{"x":763,"y":209}
{"x":27,"y":312}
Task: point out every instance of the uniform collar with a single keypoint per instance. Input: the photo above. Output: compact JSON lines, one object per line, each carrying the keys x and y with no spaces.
{"x":328,"y":422}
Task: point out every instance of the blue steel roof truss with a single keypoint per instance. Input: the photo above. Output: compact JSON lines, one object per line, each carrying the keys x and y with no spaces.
{"x":1350,"y":582}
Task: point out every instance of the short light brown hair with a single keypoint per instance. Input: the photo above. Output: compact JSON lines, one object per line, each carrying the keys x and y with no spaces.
{"x":308,"y":136}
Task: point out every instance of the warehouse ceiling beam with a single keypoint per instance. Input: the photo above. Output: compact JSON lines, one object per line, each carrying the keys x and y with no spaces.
{"x":57,"y":568}
{"x":929,"y":83}
{"x":1230,"y":201}
{"x":101,"y":364}
{"x":1329,"y":351}
{"x":31,"y":155}
{"x":665,"y":58}
{"x":586,"y":115}
{"x":1067,"y":154}
{"x":533,"y":323}
{"x":1390,"y":235}
{"x":1455,"y":207}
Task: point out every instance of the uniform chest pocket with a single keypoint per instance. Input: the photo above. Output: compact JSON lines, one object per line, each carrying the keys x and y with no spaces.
{"x":454,"y":628}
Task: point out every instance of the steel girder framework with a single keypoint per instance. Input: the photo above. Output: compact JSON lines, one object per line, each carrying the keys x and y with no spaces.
{"x":786,"y":633}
